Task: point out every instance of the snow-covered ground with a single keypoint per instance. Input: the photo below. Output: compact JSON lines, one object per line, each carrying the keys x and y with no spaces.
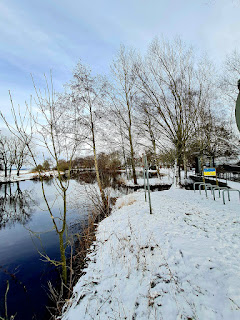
{"x":166,"y":178}
{"x":181,"y":262}
{"x":24,"y":175}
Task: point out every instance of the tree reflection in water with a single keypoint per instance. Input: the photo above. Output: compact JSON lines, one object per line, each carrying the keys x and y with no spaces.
{"x":15,"y":205}
{"x":108,"y":179}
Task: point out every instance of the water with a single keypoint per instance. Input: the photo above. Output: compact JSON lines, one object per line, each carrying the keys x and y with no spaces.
{"x":26,"y":229}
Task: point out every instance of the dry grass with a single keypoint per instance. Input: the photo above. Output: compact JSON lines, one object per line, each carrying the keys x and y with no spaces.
{"x":60,"y":297}
{"x":121,"y":181}
{"x":126,"y":202}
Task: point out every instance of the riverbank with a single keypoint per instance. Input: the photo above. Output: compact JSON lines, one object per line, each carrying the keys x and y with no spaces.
{"x":181,"y":262}
{"x":26,"y":229}
{"x":26,"y":175}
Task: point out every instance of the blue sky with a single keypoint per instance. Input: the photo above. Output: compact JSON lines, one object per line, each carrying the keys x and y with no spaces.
{"x":39,"y":35}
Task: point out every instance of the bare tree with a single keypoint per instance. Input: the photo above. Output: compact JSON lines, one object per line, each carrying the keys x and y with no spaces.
{"x":4,"y":154}
{"x":12,"y":153}
{"x":148,"y":132}
{"x":50,"y":129}
{"x":229,"y":85}
{"x":230,"y":77}
{"x":20,"y":154}
{"x":117,"y":135}
{"x":87,"y":94}
{"x":215,"y":138}
{"x":124,"y":96}
{"x":7,"y":150}
{"x":177,"y":87}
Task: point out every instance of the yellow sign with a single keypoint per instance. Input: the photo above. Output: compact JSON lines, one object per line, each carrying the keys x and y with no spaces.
{"x":210,"y":172}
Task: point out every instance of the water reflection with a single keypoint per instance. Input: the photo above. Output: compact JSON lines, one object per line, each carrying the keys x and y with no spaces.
{"x":22,"y":208}
{"x":108,"y":179}
{"x":85,"y":177}
{"x":15,"y":205}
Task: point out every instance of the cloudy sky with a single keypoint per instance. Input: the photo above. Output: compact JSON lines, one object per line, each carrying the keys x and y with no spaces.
{"x":39,"y":35}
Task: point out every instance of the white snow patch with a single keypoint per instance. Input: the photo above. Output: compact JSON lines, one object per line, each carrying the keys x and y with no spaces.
{"x":181,"y":262}
{"x":25,"y":175}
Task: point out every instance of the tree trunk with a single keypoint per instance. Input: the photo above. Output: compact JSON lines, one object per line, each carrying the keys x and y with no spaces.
{"x":179,"y":173}
{"x":63,"y":258}
{"x":155,"y":157}
{"x":124,"y":154}
{"x":213,"y":161}
{"x":130,"y":140}
{"x":104,"y":200}
{"x":18,"y":188}
{"x":5,"y":190}
{"x":175,"y":182}
{"x":202,"y":173}
{"x":132,"y":157}
{"x":61,"y":238}
{"x":185,"y":166}
{"x":153,"y":140}
{"x":179,"y":158}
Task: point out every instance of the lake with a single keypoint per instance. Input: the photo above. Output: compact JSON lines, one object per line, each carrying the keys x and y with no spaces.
{"x":26,"y":229}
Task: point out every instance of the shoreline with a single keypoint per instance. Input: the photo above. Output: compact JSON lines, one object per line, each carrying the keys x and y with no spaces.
{"x":28,"y":175}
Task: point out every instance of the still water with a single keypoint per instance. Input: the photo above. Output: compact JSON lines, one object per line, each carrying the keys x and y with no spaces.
{"x":25,"y":230}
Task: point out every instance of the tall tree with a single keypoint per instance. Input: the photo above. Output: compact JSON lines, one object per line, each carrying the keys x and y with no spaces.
{"x":48,"y":126}
{"x":124,"y":97}
{"x":229,"y":85}
{"x":148,"y":132}
{"x":230,"y":76}
{"x":87,"y":94}
{"x":176,"y":85}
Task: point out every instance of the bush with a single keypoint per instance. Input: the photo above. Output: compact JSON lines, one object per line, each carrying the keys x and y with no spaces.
{"x":46,"y":165}
{"x":38,"y":168}
{"x":109,"y":162}
{"x":63,"y":165}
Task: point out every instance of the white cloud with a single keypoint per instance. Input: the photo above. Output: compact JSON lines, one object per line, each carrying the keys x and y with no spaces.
{"x":38,"y":36}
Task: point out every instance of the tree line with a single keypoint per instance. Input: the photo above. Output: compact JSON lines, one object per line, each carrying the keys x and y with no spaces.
{"x":167,"y":104}
{"x":13,"y":153}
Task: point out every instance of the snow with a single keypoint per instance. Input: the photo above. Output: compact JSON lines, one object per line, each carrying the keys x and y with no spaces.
{"x":25,"y":175}
{"x":181,"y":262}
{"x":166,"y":178}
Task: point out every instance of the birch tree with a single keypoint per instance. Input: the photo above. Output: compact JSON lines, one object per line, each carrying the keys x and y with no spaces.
{"x":87,"y":95}
{"x":124,"y":97}
{"x":48,"y":126}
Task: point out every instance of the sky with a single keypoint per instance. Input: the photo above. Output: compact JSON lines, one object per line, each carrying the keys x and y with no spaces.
{"x":39,"y":36}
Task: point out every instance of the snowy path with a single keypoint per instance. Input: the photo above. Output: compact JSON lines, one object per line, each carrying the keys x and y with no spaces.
{"x":181,"y":262}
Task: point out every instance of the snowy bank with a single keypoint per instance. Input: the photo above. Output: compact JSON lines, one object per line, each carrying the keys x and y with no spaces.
{"x":181,"y":262}
{"x":165,"y":178}
{"x":25,"y":175}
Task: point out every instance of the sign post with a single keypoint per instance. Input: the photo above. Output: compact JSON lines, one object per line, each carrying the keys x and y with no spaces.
{"x":210,"y":172}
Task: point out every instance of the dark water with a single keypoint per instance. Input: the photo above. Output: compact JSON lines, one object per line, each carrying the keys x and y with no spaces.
{"x":25,"y":230}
